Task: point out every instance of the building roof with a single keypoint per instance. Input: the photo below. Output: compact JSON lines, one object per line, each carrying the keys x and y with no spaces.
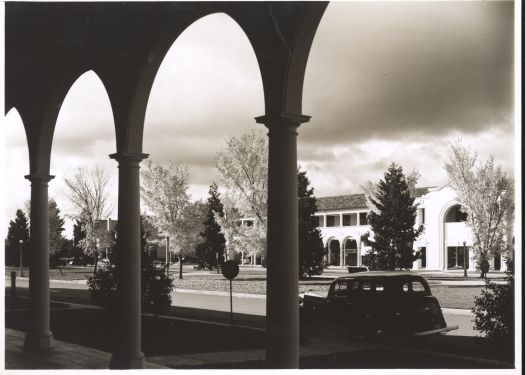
{"x":351,"y":201}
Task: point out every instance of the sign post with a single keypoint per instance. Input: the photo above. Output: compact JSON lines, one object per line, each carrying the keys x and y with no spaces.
{"x":230,"y":270}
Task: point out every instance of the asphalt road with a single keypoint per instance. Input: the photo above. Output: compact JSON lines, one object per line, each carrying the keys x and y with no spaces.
{"x":241,"y":305}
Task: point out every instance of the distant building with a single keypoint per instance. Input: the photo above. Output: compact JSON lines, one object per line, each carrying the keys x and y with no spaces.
{"x":343,"y":219}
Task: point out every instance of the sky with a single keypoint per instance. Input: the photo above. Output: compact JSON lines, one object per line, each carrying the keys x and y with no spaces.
{"x":385,"y":82}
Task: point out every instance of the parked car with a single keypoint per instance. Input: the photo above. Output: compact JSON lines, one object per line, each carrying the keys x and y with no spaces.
{"x":376,"y":303}
{"x":355,"y":269}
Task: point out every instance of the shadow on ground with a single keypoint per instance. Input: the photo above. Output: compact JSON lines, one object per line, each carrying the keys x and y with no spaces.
{"x":95,"y":328}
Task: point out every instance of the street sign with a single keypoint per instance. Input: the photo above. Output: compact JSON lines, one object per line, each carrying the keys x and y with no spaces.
{"x":230,"y":269}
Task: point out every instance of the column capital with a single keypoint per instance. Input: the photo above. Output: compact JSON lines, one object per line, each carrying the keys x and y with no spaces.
{"x":128,"y":157}
{"x":282,"y":121}
{"x":39,"y":178}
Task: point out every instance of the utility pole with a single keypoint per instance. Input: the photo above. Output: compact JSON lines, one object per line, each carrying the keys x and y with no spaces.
{"x":20,"y":242}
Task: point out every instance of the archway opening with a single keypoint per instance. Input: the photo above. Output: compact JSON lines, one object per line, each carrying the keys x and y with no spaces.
{"x":334,"y":254}
{"x":457,"y":254}
{"x":16,"y":187}
{"x":351,"y":252}
{"x":207,"y":89}
{"x":84,"y":137}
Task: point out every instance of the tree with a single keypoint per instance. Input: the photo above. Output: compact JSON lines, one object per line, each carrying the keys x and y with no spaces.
{"x":156,"y":286}
{"x":18,"y":230}
{"x":193,"y":226}
{"x":392,"y":223}
{"x":56,"y":227}
{"x":88,"y":191}
{"x":486,"y":195}
{"x":311,"y":250}
{"x":164,"y":192}
{"x":494,"y":310}
{"x":243,"y":166}
{"x":213,"y":242}
{"x":76,"y":251}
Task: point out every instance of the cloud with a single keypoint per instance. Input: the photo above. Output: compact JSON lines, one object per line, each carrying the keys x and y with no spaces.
{"x":385,"y":70}
{"x":385,"y":82}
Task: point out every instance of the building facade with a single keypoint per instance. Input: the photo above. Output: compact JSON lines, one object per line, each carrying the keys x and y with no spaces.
{"x":343,"y":220}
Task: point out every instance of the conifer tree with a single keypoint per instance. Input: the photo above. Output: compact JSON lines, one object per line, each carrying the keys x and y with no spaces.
{"x":18,"y":230}
{"x":392,"y":223}
{"x":311,"y":249}
{"x":56,"y":227}
{"x":213,"y":241}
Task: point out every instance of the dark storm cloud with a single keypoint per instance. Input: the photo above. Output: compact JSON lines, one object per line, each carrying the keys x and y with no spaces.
{"x":383,"y":70}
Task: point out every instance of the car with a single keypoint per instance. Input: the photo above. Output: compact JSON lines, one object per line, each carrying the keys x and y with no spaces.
{"x":397,"y":303}
{"x":355,"y":269}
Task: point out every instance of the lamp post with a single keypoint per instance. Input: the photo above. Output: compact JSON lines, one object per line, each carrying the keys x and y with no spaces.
{"x":465,"y":259}
{"x":20,"y":242}
{"x":180,"y":264}
{"x":167,"y":256}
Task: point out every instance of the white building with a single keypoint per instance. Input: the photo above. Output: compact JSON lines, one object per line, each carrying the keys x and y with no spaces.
{"x":343,"y":219}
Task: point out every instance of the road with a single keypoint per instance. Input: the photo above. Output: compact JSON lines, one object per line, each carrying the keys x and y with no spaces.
{"x":241,"y":305}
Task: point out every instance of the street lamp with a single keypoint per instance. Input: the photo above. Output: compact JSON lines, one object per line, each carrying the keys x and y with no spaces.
{"x":167,"y":256}
{"x":465,"y":259}
{"x":180,"y":264}
{"x":20,"y":243}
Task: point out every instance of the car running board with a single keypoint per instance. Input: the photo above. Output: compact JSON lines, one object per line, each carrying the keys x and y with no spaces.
{"x":434,"y":331}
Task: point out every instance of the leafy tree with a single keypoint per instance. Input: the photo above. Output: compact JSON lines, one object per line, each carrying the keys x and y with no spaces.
{"x":88,"y":191}
{"x":18,"y":230}
{"x":494,"y":310}
{"x":155,"y":284}
{"x":311,"y":249}
{"x":486,"y":195}
{"x":392,"y":223}
{"x":193,"y":226}
{"x":56,"y":227}
{"x":243,"y":166}
{"x":165,"y":193}
{"x":213,"y":241}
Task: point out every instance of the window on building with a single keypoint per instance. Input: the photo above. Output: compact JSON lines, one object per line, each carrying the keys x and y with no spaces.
{"x":423,"y":256}
{"x":349,"y":220}
{"x":249,"y":223}
{"x":456,"y":256}
{"x":321,"y":221}
{"x":421,"y":216}
{"x":330,"y":221}
{"x":455,"y":215}
{"x":363,"y":220}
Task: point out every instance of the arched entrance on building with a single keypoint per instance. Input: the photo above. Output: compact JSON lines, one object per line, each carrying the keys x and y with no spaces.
{"x":454,"y":220}
{"x":334,"y":253}
{"x":350,"y":246}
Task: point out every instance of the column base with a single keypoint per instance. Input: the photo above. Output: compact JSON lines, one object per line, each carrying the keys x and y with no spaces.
{"x":34,"y":342}
{"x":122,"y":362}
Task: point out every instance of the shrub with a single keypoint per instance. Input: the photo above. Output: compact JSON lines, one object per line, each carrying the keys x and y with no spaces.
{"x":155,"y":284}
{"x":494,"y":310}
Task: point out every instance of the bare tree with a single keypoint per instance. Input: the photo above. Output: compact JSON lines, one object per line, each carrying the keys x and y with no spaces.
{"x":486,"y":195}
{"x":88,"y":191}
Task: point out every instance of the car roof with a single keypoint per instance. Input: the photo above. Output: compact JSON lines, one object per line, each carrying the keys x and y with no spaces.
{"x":381,"y":274}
